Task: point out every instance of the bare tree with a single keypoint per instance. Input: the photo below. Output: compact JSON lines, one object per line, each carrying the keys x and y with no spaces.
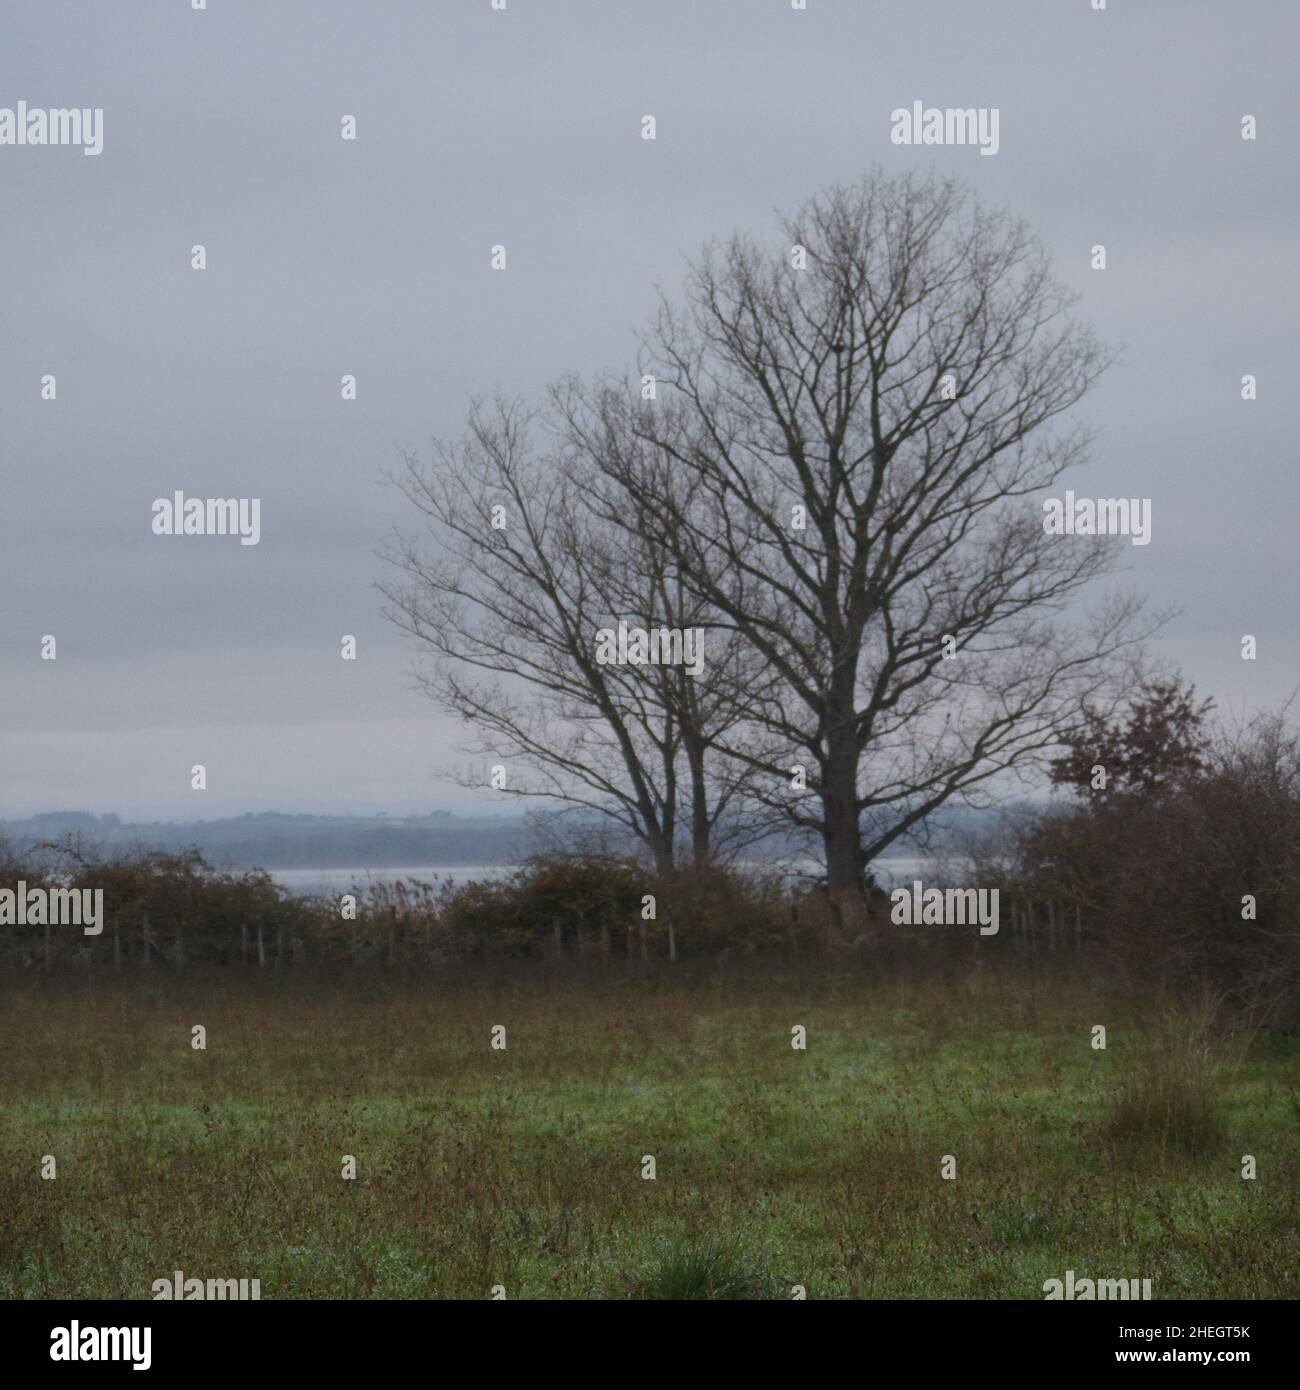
{"x":843,"y":456}
{"x":509,"y":597}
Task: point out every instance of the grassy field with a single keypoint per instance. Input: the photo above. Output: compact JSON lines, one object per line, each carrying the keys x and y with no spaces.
{"x":523,"y":1168}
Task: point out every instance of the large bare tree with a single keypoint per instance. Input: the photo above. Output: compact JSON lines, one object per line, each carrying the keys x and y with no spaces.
{"x":850,"y":434}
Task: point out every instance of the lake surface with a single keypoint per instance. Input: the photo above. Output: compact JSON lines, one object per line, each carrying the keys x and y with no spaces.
{"x":889,"y":872}
{"x":339,"y":880}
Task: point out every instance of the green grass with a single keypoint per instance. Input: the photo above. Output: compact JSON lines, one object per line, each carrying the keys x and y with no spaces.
{"x":774,"y":1168}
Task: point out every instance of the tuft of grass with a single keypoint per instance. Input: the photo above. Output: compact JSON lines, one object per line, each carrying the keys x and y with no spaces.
{"x":699,"y":1268}
{"x":1170,"y":1104}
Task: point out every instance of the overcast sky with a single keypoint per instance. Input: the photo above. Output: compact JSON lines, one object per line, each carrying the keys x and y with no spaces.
{"x":371,"y":257}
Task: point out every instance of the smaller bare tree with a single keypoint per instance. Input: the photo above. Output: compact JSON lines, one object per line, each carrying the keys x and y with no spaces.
{"x":508,"y":589}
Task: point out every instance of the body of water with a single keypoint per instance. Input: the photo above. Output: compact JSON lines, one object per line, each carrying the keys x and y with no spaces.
{"x":889,"y":873}
{"x":339,"y":880}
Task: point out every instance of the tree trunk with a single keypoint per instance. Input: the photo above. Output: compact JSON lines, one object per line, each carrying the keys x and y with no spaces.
{"x":701,"y":832}
{"x":843,"y":841}
{"x":662,"y":850}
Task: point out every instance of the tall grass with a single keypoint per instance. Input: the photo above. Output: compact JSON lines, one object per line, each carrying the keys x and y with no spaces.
{"x":774,"y":1167}
{"x":1169,"y":1104}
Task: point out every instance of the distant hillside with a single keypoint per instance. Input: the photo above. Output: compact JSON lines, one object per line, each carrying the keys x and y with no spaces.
{"x":272,"y":840}
{"x":275,"y":841}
